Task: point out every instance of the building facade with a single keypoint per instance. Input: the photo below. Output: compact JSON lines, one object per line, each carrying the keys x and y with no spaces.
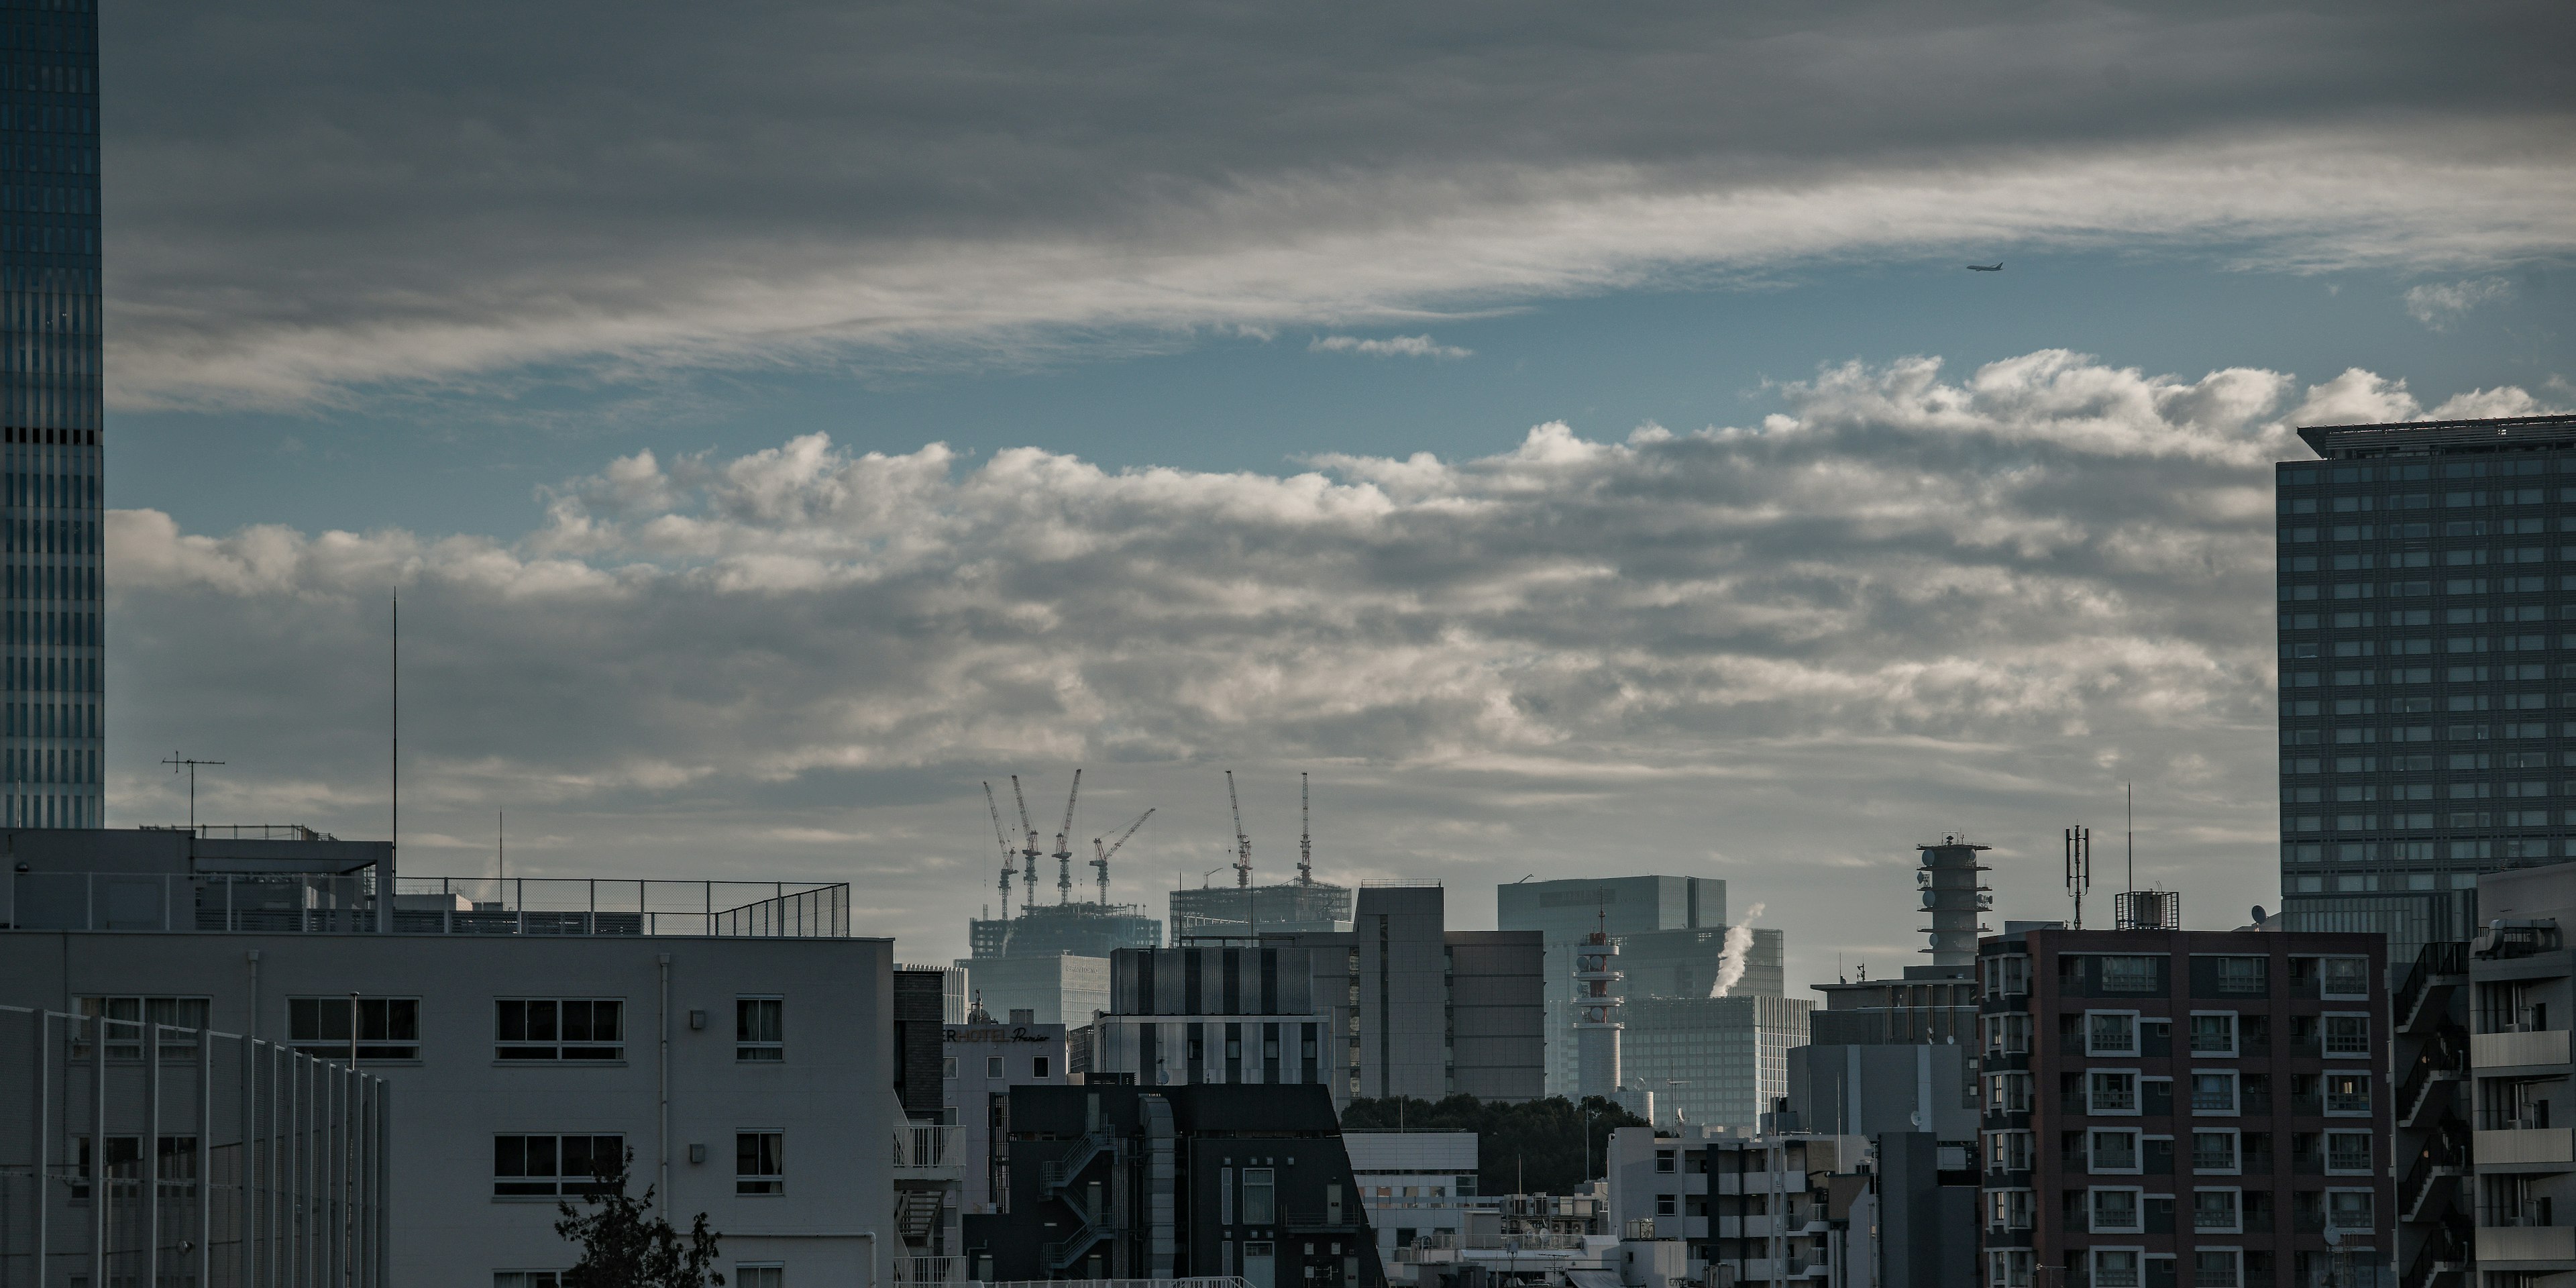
{"x":1418,"y":1187}
{"x":2424,"y":586}
{"x":984,"y":1060}
{"x":1712,"y":1061}
{"x":735,"y":1040}
{"x":2522,"y":977}
{"x":1746,"y":1208}
{"x":1060,"y":988}
{"x":2167,"y":1107}
{"x":1183,"y":1016}
{"x":1563,"y":912}
{"x":50,"y":418}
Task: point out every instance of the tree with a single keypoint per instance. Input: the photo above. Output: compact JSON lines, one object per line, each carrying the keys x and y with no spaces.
{"x":624,"y":1245}
{"x":1532,"y":1147}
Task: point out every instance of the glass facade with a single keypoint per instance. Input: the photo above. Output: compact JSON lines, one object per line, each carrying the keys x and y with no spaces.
{"x":49,"y":413}
{"x":2427,"y":630}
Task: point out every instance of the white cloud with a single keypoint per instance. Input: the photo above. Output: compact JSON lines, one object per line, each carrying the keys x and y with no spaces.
{"x":1402,"y":346}
{"x":1912,"y":603}
{"x":2439,"y":304}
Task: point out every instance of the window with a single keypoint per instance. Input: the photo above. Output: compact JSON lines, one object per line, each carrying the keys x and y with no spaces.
{"x":2113,"y":1093}
{"x":388,"y":1027}
{"x":2213,"y":1091}
{"x":759,"y":1029}
{"x":125,"y":1017}
{"x":2008,"y":1151}
{"x":2348,"y":1210}
{"x":1667,"y":1205}
{"x":2115,"y":1151}
{"x":1667,"y":1160}
{"x":2240,"y":976}
{"x":2128,"y":974}
{"x":547,"y":1166}
{"x":764,"y":1274}
{"x":2213,"y":1034}
{"x":758,"y":1163}
{"x":2007,"y":976}
{"x":2008,"y":1093}
{"x":2213,"y":1210}
{"x":2213,"y":1151}
{"x":948,"y":1066}
{"x":2009,"y":1269}
{"x":993,"y":1066}
{"x":1038,"y":1068}
{"x":2115,"y":1268}
{"x":1260,"y":1196}
{"x":527,"y":1279}
{"x":2347,"y":1093}
{"x":2111,"y":1034}
{"x":2008,"y":1209}
{"x":2345,"y":977}
{"x":2348,"y":1152}
{"x":2008,"y":1033}
{"x":2115,"y":1211}
{"x":547,"y":1028}
{"x":2215,"y":1268}
{"x":2347,"y":1035}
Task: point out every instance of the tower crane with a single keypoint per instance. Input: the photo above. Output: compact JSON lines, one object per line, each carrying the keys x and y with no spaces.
{"x":1063,"y":851}
{"x":1029,"y":851}
{"x":1305,"y":836}
{"x":1242,"y":842}
{"x":1005,"y":839}
{"x":1100,"y":859}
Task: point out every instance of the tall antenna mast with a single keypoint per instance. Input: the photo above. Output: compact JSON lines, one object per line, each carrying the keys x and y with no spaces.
{"x":1064,"y":852}
{"x":174,"y":762}
{"x":2133,"y":837}
{"x":2079,"y":868}
{"x":1305,"y":835}
{"x":393,"y":761}
{"x":1004,"y":837}
{"x":501,"y":841}
{"x":1242,"y":842}
{"x":1028,"y":851}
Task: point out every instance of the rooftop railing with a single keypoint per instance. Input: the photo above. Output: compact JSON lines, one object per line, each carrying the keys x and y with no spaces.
{"x":258,"y":903}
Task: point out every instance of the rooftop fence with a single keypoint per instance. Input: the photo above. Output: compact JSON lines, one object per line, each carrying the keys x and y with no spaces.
{"x":262,"y":903}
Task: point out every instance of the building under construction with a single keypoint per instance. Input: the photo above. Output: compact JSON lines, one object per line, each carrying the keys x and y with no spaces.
{"x":1057,"y":954}
{"x":1243,"y":909}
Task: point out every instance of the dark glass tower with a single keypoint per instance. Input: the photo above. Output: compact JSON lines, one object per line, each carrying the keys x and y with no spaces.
{"x":49,"y":411}
{"x":2428,"y":670}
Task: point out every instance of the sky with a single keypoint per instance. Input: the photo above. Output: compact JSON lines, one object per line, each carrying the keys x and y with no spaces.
{"x":1575,"y":443}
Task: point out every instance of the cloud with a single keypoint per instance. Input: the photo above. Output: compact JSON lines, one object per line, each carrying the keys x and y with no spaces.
{"x":2439,"y":304}
{"x":1914,"y":601}
{"x":313,"y":205}
{"x":1402,"y":346}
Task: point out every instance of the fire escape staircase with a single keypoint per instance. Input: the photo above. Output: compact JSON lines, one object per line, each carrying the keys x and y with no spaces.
{"x":2443,"y":1059}
{"x":1057,"y":1179}
{"x":2423,"y":999}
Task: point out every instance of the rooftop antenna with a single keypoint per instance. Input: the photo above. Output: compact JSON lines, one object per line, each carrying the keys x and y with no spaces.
{"x":1028,"y":851}
{"x":1305,"y":835}
{"x":1100,"y":863}
{"x":1063,"y":851}
{"x":174,"y":762}
{"x":1004,"y":837}
{"x":1242,"y":842}
{"x":393,"y":760}
{"x":2079,"y":868}
{"x":501,"y":841}
{"x":2133,"y":837}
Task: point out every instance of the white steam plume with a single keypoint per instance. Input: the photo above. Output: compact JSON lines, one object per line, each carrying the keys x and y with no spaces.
{"x":1730,"y":959}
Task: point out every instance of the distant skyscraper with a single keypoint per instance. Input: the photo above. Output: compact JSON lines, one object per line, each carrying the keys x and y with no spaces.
{"x":49,"y":406}
{"x":2427,"y":632}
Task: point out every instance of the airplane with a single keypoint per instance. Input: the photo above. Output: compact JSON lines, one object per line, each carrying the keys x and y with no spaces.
{"x":1996,"y":267}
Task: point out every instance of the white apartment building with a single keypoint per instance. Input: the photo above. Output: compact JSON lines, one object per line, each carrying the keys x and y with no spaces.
{"x":734,"y":1038}
{"x":1418,"y":1186}
{"x":982,"y":1061}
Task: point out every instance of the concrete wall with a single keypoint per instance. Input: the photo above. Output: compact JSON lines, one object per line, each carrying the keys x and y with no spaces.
{"x":831,"y":1096}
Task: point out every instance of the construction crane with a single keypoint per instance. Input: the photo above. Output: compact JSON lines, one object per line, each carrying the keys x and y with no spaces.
{"x":1305,"y":836}
{"x":1063,"y":851}
{"x":1005,"y":838}
{"x":1242,"y":842}
{"x":1028,"y":851}
{"x":1100,"y":855}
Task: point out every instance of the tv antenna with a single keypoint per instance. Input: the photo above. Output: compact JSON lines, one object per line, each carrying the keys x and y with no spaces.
{"x":174,"y":761}
{"x":2079,"y":868}
{"x":1305,"y":835}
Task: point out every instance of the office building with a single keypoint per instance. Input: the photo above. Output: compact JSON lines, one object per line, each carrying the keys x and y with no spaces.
{"x":50,"y":421}
{"x":2422,"y":572}
{"x":1061,"y":988}
{"x":1137,"y":1182}
{"x":985,"y":1059}
{"x":1182,"y":1016}
{"x":78,"y":1102}
{"x":1419,"y":1187}
{"x":1712,"y":1061}
{"x":1563,"y":912}
{"x":2522,"y":977}
{"x":736,"y":1039}
{"x":1416,"y":1009}
{"x":2185,"y":1107}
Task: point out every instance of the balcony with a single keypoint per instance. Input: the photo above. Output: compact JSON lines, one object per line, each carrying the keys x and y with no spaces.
{"x":928,"y":1270}
{"x":2526,"y":1243}
{"x":2496,"y":1050}
{"x":929,"y":1152}
{"x":2525,"y":1145}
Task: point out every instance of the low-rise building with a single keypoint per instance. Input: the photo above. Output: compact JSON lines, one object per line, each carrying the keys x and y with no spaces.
{"x":1418,"y":1186}
{"x":1746,"y":1208}
{"x":983,"y":1061}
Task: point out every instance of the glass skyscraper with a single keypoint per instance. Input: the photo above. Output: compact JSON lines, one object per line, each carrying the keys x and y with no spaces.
{"x":49,"y":411}
{"x":2428,"y":670}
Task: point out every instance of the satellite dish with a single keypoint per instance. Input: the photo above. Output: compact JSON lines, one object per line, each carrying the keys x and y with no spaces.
{"x":2258,"y":914}
{"x":2334,"y":1237}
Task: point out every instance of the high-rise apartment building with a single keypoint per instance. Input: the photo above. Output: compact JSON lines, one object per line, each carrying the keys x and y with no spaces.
{"x":49,"y":413}
{"x":2427,"y":627}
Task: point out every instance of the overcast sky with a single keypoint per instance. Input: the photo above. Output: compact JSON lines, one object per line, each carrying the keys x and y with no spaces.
{"x":1571,"y":437}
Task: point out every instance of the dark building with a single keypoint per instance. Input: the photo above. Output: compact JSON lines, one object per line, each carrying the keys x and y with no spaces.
{"x":2169,"y":1107}
{"x":2425,"y":589}
{"x":1132,"y":1182}
{"x":49,"y":414}
{"x":920,"y":1029}
{"x":1211,"y":1014}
